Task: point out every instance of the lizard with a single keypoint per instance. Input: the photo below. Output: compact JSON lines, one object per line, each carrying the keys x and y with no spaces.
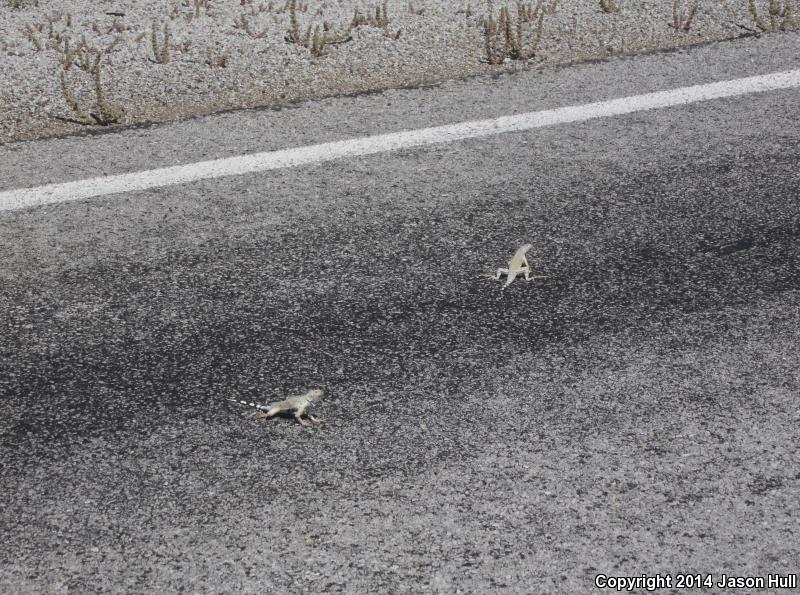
{"x":298,"y":404}
{"x":518,"y":265}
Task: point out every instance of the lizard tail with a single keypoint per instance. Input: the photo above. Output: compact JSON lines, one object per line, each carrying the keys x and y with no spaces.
{"x":258,"y":406}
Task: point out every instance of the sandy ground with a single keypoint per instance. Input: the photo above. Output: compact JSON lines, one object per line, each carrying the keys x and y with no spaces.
{"x":238,"y":53}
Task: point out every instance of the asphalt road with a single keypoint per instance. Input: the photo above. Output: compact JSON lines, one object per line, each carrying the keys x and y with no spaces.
{"x":636,"y":412}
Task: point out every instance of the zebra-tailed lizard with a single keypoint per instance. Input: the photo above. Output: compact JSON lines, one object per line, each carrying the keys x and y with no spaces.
{"x":298,"y":404}
{"x":518,"y":265}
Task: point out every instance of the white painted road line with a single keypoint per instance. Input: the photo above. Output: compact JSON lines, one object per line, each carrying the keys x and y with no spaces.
{"x":258,"y":162}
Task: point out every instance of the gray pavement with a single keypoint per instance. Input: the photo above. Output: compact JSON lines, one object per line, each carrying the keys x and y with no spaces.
{"x":634,"y":413}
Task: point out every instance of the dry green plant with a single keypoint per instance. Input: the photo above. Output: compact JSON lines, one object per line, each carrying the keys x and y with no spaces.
{"x":243,"y":24}
{"x":72,"y":101}
{"x":80,"y":55}
{"x":609,"y":6}
{"x":106,"y":113}
{"x":294,"y":27}
{"x":315,"y":40}
{"x":116,"y":27}
{"x":317,"y":44}
{"x":491,"y":38}
{"x":118,"y":40}
{"x":509,"y":38}
{"x":261,"y":8}
{"x":358,"y":19}
{"x":287,"y":6}
{"x":31,"y":33}
{"x":68,"y":54}
{"x":160,"y":50}
{"x":53,"y":36}
{"x":681,"y":22}
{"x":378,"y":17}
{"x":779,"y":14}
{"x":45,"y":35}
{"x":200,"y":5}
{"x":316,"y":37}
{"x":381,"y":18}
{"x":83,"y":55}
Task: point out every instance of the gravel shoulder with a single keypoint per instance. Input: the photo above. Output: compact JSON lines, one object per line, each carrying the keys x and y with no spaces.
{"x":225,"y":55}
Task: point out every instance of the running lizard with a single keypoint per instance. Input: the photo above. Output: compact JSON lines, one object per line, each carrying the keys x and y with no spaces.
{"x":297,"y":404}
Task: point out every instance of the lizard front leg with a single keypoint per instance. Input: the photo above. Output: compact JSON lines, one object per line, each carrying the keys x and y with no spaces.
{"x":299,"y":411}
{"x":303,"y":422}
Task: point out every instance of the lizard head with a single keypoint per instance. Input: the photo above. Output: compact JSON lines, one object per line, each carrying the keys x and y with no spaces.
{"x":525,"y":247}
{"x":315,"y":394}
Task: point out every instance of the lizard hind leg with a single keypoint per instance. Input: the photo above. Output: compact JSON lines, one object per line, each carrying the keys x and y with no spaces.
{"x":531,"y":277}
{"x":510,"y":279}
{"x":500,"y":273}
{"x":271,"y":412}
